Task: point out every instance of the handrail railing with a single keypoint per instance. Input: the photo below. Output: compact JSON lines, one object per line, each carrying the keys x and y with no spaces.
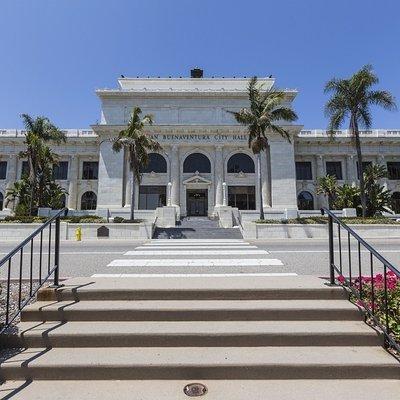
{"x":372,"y":290}
{"x":35,"y":269}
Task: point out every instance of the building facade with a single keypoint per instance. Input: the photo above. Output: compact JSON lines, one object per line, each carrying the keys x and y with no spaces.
{"x":205,"y":162}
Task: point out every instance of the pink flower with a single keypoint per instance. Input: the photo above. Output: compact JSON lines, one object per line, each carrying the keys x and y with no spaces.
{"x":341,"y":279}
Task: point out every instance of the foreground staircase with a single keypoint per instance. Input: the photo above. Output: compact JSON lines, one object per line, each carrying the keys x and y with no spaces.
{"x":197,"y":228}
{"x":255,"y":338}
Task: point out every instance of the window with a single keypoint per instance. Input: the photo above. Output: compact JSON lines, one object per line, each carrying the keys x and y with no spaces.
{"x":396,"y":202}
{"x":242,"y":197}
{"x":151,"y":197}
{"x":197,"y":162}
{"x":3,"y":169}
{"x":90,"y":170}
{"x":24,"y":169}
{"x":241,"y":162}
{"x":303,"y":170}
{"x":365,"y":165}
{"x":156,"y":163}
{"x":1,"y":201}
{"x":305,"y":201}
{"x":60,"y":170}
{"x":89,"y":201}
{"x":393,"y":170}
{"x":334,"y":168}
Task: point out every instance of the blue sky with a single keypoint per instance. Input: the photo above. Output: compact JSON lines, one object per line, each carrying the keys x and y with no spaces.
{"x":55,"y":53}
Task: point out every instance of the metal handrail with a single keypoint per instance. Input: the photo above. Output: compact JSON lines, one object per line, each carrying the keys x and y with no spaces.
{"x":54,"y":269}
{"x":355,"y":285}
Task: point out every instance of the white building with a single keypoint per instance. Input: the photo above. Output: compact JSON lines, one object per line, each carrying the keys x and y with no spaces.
{"x":206,"y":162}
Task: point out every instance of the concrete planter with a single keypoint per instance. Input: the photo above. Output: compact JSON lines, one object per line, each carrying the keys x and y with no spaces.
{"x":252,"y":230}
{"x":90,"y":231}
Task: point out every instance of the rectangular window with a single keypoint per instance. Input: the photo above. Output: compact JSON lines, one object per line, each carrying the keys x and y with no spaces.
{"x":24,"y":169}
{"x":3,"y":169}
{"x":90,"y":170}
{"x":334,"y":168}
{"x":303,"y":170}
{"x":365,"y":164}
{"x":242,"y":197}
{"x":393,"y":169}
{"x":151,"y":197}
{"x":60,"y":170}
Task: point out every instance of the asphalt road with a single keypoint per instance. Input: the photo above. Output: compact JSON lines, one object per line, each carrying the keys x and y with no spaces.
{"x":309,"y":256}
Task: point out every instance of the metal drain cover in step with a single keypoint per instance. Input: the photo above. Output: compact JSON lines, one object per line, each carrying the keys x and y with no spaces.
{"x":195,"y":390}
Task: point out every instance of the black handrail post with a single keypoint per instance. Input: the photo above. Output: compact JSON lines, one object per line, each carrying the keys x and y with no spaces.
{"x":331,"y":251}
{"x":57,"y":253}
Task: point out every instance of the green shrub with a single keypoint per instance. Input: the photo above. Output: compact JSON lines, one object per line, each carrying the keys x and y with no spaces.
{"x":324,"y":220}
{"x":118,"y":220}
{"x":82,"y":219}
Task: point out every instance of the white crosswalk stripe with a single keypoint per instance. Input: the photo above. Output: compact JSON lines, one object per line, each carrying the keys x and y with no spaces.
{"x":192,"y":253}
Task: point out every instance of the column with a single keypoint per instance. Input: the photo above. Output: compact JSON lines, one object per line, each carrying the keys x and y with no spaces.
{"x":283,"y":174}
{"x":265,"y":180}
{"x":175,"y":175}
{"x":351,"y":169}
{"x":321,"y":201}
{"x":73,"y":182}
{"x":110,"y":184}
{"x":219,"y":175}
{"x":11,"y":176}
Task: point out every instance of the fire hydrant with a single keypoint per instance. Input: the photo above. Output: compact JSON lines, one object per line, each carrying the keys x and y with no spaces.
{"x":78,"y":234}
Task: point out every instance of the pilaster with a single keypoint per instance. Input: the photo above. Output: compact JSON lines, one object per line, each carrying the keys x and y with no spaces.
{"x":175,"y":175}
{"x":73,"y":182}
{"x":283,"y":174}
{"x":219,"y":175}
{"x":110,"y":187}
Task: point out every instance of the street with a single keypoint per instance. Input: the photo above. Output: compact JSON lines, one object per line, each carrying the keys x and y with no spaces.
{"x":303,"y":257}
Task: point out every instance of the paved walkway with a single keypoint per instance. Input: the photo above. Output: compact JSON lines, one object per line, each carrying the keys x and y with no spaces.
{"x":225,"y":254}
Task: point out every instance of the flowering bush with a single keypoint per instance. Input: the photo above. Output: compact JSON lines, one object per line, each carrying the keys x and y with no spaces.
{"x":372,"y":293}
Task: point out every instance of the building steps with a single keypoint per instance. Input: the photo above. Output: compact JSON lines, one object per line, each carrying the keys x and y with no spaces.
{"x":197,"y":228}
{"x":191,"y":310}
{"x":193,"y":334}
{"x":243,"y":337}
{"x":307,"y":389}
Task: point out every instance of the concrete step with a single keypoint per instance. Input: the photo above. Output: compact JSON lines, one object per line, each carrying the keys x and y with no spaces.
{"x":194,"y":363}
{"x":191,"y":310}
{"x":194,"y":287}
{"x":333,"y":389}
{"x":197,"y":233}
{"x":193,"y":334}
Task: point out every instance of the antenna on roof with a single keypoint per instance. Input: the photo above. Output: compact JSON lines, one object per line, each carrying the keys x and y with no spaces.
{"x":122,"y":76}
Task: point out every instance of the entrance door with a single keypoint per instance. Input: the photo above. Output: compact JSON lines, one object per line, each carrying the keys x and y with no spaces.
{"x":196,"y":202}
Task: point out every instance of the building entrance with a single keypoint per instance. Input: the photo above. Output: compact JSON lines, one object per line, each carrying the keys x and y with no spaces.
{"x":196,"y":202}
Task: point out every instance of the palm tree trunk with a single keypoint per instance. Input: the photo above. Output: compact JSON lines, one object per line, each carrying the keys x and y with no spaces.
{"x":260,"y":186}
{"x":360,"y":167}
{"x":132,"y":216}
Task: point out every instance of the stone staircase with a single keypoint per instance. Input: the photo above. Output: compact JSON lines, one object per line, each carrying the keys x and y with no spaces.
{"x":197,"y":228}
{"x":243,"y":337}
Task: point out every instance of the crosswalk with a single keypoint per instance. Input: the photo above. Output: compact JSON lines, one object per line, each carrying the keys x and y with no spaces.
{"x":211,"y":253}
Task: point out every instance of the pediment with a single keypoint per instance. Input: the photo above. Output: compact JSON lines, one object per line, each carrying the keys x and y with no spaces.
{"x":197,"y":180}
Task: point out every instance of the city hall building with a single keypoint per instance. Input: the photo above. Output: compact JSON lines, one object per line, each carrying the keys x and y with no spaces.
{"x":205,"y":162}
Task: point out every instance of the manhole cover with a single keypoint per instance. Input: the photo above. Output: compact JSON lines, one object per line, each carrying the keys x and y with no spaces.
{"x":195,"y":390}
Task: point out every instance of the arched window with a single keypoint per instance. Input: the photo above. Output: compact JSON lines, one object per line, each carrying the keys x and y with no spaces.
{"x":89,"y":201}
{"x":1,"y":201}
{"x":156,"y":163}
{"x":305,"y":201}
{"x":241,"y":162}
{"x":396,"y":202}
{"x":197,"y":162}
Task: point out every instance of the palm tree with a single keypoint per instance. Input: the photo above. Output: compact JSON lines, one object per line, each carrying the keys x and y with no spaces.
{"x":327,"y":185}
{"x":39,"y":131}
{"x":261,"y":119}
{"x":137,"y":144}
{"x":352,"y":98}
